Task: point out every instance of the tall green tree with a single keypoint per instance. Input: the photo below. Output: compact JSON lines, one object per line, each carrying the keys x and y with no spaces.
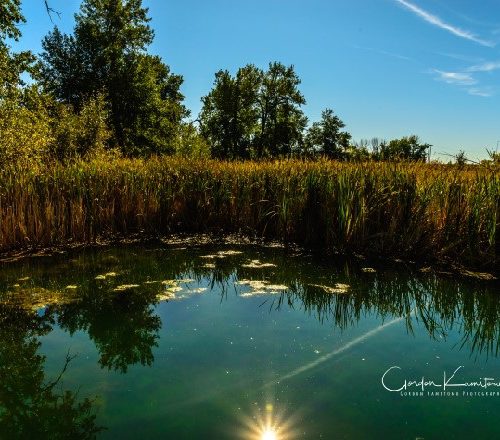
{"x":24,"y":122}
{"x":229,"y":117}
{"x":12,"y":65}
{"x":326,"y":138}
{"x":107,"y":54}
{"x":281,"y":119}
{"x":254,"y":113}
{"x":10,"y":17}
{"x":217,"y":116}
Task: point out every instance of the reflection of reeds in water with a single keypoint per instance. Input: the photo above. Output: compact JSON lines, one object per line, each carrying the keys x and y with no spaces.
{"x":142,"y":278}
{"x":408,"y":210}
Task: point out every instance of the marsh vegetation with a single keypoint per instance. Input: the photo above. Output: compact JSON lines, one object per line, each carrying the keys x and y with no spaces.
{"x":398,"y":210}
{"x":103,"y":148}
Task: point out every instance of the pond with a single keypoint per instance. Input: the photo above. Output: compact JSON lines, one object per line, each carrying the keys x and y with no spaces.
{"x":243,"y":342}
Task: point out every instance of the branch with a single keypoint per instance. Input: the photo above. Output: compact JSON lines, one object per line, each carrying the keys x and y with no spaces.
{"x":51,"y":11}
{"x":52,"y":384}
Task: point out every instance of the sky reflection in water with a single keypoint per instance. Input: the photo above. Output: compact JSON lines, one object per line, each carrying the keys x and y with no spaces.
{"x":235,"y":342}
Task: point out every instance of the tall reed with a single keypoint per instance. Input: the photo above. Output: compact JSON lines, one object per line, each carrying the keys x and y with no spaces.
{"x":391,"y":209}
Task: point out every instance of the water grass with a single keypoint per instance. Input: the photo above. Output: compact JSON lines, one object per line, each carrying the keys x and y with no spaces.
{"x":398,"y":210}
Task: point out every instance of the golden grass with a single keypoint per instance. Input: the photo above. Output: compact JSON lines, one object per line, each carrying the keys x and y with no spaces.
{"x":395,"y":209}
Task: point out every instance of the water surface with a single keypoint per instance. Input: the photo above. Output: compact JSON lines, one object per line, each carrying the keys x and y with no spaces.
{"x":241,"y":342}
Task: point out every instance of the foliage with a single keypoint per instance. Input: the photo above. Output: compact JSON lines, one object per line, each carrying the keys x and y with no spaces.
{"x":405,"y":148}
{"x":32,"y":406}
{"x":254,"y":114}
{"x":12,"y":65}
{"x":281,"y":118}
{"x":461,"y":158}
{"x":494,"y":160}
{"x":190,"y":143}
{"x":106,"y":54}
{"x":10,"y":17}
{"x":79,"y":134}
{"x":325,"y":137}
{"x":25,"y":132}
{"x":229,"y":117}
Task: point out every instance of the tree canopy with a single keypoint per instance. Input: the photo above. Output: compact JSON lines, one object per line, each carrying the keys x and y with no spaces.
{"x":12,"y":65}
{"x":324,"y":137}
{"x":107,"y":54}
{"x":405,"y":148}
{"x":256,"y":113}
{"x":10,"y":17}
{"x":98,"y":87}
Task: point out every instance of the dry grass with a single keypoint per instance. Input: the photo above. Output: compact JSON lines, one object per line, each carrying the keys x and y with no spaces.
{"x":399,"y":210}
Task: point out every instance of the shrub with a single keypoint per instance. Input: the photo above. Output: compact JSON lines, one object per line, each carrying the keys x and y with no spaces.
{"x":25,"y":131}
{"x":189,"y":143}
{"x":80,"y":134}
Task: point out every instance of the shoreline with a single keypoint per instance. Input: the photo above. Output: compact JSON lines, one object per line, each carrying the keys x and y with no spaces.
{"x":193,"y":240}
{"x":414,"y":212}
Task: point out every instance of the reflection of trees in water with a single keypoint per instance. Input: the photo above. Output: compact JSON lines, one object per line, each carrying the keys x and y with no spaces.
{"x":125,"y":328}
{"x":439,"y":304}
{"x":30,"y":406}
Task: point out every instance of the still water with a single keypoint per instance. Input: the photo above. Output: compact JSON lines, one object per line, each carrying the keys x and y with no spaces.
{"x":242,"y":342}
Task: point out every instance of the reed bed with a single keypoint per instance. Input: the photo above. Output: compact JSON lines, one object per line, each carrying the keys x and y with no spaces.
{"x":398,"y":210}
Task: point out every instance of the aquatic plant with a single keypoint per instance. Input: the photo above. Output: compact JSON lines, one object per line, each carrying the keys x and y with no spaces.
{"x":399,"y":210}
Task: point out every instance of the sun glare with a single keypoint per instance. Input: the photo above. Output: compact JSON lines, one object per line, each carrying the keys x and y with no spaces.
{"x":269,"y":434}
{"x":268,"y":422}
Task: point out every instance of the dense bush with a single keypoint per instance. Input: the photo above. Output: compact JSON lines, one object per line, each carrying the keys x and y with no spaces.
{"x":25,"y":131}
{"x":80,"y":134}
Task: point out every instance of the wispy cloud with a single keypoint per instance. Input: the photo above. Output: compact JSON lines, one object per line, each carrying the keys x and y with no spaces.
{"x":460,"y":57}
{"x":483,"y":92}
{"x":485,"y":67}
{"x":465,"y":79}
{"x":436,"y":21}
{"x":384,"y":52}
{"x":459,"y":78}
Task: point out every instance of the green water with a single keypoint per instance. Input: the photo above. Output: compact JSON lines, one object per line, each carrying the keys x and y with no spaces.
{"x":200,"y":343}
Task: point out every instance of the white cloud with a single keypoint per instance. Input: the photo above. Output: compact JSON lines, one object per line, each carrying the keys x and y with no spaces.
{"x":485,"y":93}
{"x":436,"y":21}
{"x":485,"y":67}
{"x":460,"y":78}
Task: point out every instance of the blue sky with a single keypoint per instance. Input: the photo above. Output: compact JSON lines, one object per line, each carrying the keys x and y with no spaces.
{"x":388,"y":68}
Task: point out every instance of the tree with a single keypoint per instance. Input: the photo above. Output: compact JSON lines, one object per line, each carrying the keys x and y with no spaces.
{"x":461,"y":158}
{"x":32,"y":405}
{"x":254,"y":113}
{"x":281,"y":118}
{"x":11,"y":65}
{"x":326,"y":138}
{"x":24,"y":123}
{"x":406,"y":148}
{"x":107,"y":54}
{"x":190,"y":143}
{"x":217,"y":116}
{"x":229,"y":117}
{"x":10,"y":17}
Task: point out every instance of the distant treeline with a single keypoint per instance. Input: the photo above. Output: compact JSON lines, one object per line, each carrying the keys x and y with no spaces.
{"x":99,"y":90}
